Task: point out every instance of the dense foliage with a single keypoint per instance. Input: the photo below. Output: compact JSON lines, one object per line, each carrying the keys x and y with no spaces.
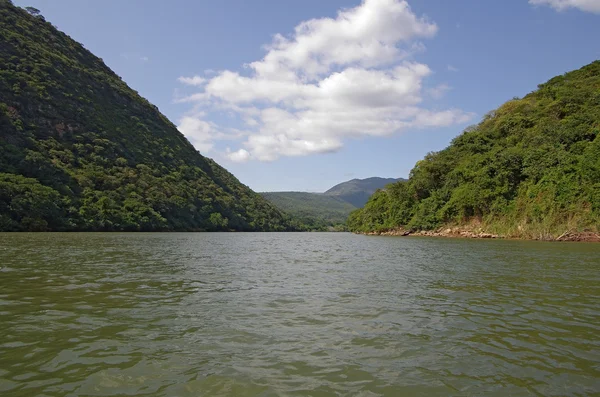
{"x":312,"y":211}
{"x":531,"y":169}
{"x":80,"y":150}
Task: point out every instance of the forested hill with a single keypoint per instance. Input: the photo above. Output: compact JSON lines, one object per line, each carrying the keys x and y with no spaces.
{"x":329,"y":210}
{"x":313,"y":211}
{"x":530,"y":169}
{"x":358,"y":191}
{"x":80,"y":150}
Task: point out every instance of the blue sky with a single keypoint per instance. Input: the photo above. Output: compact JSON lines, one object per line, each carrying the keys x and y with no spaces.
{"x":364,"y":88}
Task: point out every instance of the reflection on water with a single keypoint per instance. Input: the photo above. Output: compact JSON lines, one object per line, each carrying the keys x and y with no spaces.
{"x":313,"y":314}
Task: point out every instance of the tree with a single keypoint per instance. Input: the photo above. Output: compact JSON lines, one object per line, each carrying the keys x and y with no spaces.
{"x":33,"y":11}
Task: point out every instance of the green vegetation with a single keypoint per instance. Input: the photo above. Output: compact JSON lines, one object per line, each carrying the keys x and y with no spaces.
{"x":80,"y":150}
{"x":313,"y":211}
{"x":329,"y":210}
{"x":358,"y":191}
{"x":529,"y":169}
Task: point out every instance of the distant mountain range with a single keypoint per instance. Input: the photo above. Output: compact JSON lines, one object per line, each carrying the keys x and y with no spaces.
{"x":358,"y":191}
{"x":313,"y":209}
{"x":323,"y":210}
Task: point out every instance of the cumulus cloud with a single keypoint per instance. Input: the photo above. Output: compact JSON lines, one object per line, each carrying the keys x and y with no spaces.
{"x":331,"y":79}
{"x":367,"y":35}
{"x":195,"y":80}
{"x":200,"y":133}
{"x":239,"y":156}
{"x":561,"y":5}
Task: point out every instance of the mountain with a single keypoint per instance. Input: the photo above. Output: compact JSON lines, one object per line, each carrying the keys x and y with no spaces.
{"x":313,"y":210}
{"x":323,"y":210}
{"x":358,"y":191}
{"x":80,"y":150}
{"x":529,"y":169}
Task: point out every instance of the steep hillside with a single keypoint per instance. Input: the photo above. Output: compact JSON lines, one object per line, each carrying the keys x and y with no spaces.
{"x":315,"y":210}
{"x":358,"y":191}
{"x":80,"y":150}
{"x":530,"y":169}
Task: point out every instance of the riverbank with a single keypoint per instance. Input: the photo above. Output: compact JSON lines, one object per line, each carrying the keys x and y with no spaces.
{"x":480,"y":233}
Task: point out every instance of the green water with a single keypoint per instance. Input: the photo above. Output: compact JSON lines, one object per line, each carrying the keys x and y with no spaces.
{"x":313,"y":314}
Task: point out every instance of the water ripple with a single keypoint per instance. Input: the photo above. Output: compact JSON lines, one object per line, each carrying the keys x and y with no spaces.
{"x":296,"y":315}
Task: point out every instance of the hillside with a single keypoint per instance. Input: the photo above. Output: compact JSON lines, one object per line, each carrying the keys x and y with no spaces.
{"x":358,"y":191}
{"x":314,"y":210}
{"x":80,"y":150}
{"x":321,"y":211}
{"x":530,"y":169}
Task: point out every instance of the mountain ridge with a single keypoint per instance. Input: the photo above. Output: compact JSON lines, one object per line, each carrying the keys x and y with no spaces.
{"x":329,"y":209}
{"x":357,"y":191}
{"x":80,"y":150}
{"x":529,"y":169}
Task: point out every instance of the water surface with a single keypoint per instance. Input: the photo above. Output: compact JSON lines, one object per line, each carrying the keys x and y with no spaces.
{"x":296,"y":314}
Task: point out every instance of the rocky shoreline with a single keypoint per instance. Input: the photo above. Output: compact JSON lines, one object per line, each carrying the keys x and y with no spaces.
{"x":457,"y":232}
{"x":443,"y":232}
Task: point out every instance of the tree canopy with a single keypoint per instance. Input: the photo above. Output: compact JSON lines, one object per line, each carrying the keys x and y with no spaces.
{"x":80,"y":150}
{"x":531,"y":168}
{"x":312,"y":211}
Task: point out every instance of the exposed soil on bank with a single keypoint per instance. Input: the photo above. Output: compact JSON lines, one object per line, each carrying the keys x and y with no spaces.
{"x":458,"y":232}
{"x":579,"y":236}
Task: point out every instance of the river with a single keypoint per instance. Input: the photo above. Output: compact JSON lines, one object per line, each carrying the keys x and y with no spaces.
{"x":296,"y":314}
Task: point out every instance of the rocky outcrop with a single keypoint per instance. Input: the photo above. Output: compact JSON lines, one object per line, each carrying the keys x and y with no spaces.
{"x":572,"y":235}
{"x":478,"y":232}
{"x":442,"y":232}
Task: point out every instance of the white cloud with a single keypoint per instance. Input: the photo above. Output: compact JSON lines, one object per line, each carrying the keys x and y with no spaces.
{"x":199,"y":132}
{"x":367,"y":35}
{"x":439,"y":91}
{"x":332,"y":79}
{"x":239,"y":156}
{"x":452,"y":68}
{"x":196,"y":80}
{"x":144,"y":59}
{"x":561,"y":5}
